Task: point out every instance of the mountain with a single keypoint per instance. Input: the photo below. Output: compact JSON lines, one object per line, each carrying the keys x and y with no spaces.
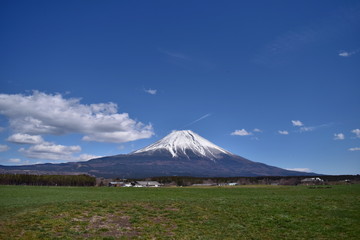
{"x":181,"y":153}
{"x":184,"y":144}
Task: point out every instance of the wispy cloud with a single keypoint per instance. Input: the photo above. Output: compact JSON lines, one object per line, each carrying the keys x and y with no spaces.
{"x":303,"y":128}
{"x":299,"y":169}
{"x":339,"y":136}
{"x":282,"y":49}
{"x":348,"y":53}
{"x":241,"y":132}
{"x":187,"y":61}
{"x":307,"y":129}
{"x":199,"y":119}
{"x":283,"y":132}
{"x":14,"y":160}
{"x":356,"y":132}
{"x":354,"y":149}
{"x":257,"y":130}
{"x":277,"y":51}
{"x":18,"y":161}
{"x":150,"y":91}
{"x":174,"y":54}
{"x":4,"y":148}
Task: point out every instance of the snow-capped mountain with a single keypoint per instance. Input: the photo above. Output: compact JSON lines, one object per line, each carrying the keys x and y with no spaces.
{"x":181,"y":153}
{"x":184,"y":143}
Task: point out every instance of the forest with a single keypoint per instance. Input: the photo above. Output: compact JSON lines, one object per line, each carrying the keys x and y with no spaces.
{"x":47,"y":180}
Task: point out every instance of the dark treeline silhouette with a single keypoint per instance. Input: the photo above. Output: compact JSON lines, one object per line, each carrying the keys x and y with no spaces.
{"x":47,"y":180}
{"x":281,"y":180}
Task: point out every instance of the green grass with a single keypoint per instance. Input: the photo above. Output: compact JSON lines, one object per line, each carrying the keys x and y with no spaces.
{"x":180,"y":213}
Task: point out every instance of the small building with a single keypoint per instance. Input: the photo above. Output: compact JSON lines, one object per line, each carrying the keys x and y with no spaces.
{"x":233,"y":184}
{"x":312,"y":181}
{"x":116,"y":184}
{"x":147,"y":184}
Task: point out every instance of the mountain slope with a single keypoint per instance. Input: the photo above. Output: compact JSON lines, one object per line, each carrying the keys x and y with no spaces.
{"x":181,"y":153}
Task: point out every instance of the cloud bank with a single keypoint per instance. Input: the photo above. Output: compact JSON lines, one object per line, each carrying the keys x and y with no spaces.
{"x":50,"y":151}
{"x":41,"y":113}
{"x":54,"y":152}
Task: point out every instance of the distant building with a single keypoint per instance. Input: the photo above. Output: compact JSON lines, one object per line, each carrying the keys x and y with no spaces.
{"x":147,"y":184}
{"x":116,"y":184}
{"x":233,"y":184}
{"x":312,"y":181}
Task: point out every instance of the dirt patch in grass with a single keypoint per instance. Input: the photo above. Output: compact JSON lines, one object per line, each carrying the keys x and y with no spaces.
{"x":110,"y":225}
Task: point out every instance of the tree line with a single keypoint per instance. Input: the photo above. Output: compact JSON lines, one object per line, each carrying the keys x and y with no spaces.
{"x":47,"y":180}
{"x":281,"y":180}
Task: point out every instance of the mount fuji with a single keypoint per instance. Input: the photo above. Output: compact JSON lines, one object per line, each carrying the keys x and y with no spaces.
{"x":181,"y":153}
{"x":184,"y":144}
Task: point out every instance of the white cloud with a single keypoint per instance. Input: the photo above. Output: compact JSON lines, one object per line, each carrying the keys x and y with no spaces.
{"x":356,"y":132}
{"x":50,"y":151}
{"x":241,"y":132}
{"x":297,"y":123}
{"x":347,"y":53}
{"x":21,"y":138}
{"x":344,"y":54}
{"x":41,"y":113}
{"x":257,"y":130}
{"x":85,"y":157}
{"x":339,"y":136}
{"x":151,"y":91}
{"x":299,"y":169}
{"x":17,"y":161}
{"x":139,"y":132}
{"x":14,"y":160}
{"x":283,"y":132}
{"x":354,"y":149}
{"x":4,"y":148}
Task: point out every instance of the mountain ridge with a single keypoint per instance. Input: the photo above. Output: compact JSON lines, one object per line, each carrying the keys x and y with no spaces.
{"x":181,"y":153}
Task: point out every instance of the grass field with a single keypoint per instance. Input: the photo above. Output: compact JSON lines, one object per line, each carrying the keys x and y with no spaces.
{"x":261,"y":212}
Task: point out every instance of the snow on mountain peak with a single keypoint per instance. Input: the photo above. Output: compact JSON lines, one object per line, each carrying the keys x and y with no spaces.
{"x":180,"y":143}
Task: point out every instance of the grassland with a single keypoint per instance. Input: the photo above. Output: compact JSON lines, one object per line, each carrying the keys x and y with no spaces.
{"x":180,"y":213}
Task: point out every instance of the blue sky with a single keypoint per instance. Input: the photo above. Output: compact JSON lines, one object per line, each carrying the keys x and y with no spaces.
{"x":273,"y":81}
